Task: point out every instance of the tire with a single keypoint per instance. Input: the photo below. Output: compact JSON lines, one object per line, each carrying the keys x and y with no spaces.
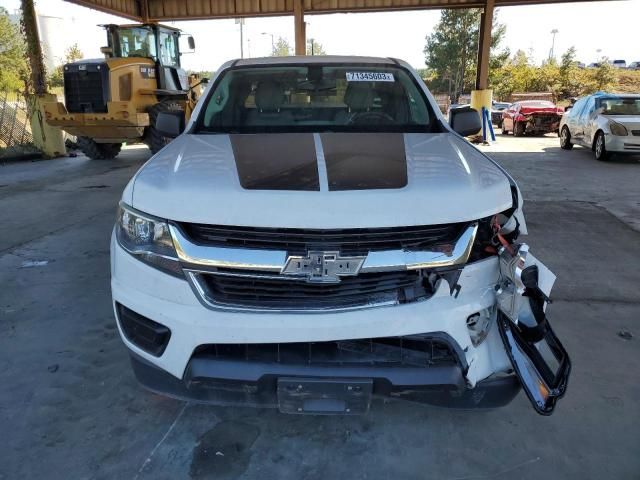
{"x":600,"y":148}
{"x":565,"y":139}
{"x":98,"y":151}
{"x":154,"y":139}
{"x":518,"y":129}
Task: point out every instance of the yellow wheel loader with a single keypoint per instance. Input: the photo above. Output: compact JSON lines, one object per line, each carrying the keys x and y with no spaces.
{"x":117,"y":99}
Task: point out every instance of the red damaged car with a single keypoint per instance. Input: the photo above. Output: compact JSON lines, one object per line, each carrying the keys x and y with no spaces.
{"x":531,"y":116}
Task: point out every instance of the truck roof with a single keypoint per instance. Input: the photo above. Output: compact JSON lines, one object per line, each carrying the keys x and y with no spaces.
{"x":310,"y":59}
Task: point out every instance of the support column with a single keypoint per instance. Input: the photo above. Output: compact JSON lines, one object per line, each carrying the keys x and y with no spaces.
{"x":482,"y":96}
{"x":46,"y":138}
{"x":300,"y":27}
{"x":484,"y":46}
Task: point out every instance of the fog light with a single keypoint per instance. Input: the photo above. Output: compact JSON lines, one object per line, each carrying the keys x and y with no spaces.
{"x":479,"y":325}
{"x":144,"y":333}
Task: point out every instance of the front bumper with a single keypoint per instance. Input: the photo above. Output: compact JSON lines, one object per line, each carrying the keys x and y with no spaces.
{"x":482,"y":376}
{"x":256,"y":385}
{"x":622,"y":144}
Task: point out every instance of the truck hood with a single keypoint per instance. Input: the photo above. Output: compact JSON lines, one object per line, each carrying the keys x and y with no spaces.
{"x":355,"y":180}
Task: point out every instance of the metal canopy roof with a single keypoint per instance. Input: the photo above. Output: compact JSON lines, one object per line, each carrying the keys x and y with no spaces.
{"x":167,"y":10}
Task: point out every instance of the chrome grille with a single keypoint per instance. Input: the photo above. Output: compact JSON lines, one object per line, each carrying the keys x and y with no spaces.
{"x":258,"y":291}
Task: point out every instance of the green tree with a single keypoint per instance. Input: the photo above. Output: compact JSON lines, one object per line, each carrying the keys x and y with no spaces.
{"x":71,"y":54}
{"x":281,"y":48}
{"x":451,"y":51}
{"x":569,"y":74}
{"x":14,"y":70}
{"x":604,"y":76}
{"x":315,"y":48}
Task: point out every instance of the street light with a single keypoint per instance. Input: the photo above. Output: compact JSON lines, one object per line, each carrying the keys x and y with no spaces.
{"x":553,"y":42}
{"x":273,"y":46}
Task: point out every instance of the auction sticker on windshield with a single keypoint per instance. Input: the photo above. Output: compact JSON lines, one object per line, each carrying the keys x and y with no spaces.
{"x":370,"y":77}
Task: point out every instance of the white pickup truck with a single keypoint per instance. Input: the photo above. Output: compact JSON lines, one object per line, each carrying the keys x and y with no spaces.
{"x":317,"y":235}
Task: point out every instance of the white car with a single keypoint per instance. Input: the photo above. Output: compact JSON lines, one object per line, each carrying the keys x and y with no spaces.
{"x":604,"y":122}
{"x":317,"y":235}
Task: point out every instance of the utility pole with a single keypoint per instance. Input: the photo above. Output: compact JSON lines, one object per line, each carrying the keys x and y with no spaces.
{"x":553,"y":42}
{"x":240,"y":21}
{"x":273,"y":46}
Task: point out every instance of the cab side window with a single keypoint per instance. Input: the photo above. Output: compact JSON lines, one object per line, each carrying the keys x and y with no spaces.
{"x":168,"y":49}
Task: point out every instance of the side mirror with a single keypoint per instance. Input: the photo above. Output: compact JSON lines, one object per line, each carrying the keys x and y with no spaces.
{"x":465,"y":121}
{"x":170,"y":124}
{"x":106,"y":51}
{"x":191,"y":42}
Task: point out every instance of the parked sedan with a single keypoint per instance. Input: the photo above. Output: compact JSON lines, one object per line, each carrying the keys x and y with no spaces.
{"x":531,"y":116}
{"x":604,"y":122}
{"x":496,"y":112}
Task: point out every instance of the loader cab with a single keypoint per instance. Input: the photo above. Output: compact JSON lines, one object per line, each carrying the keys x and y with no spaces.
{"x":157,"y":42}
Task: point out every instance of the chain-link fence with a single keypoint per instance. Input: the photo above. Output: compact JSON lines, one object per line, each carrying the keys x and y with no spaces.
{"x":15,"y":131}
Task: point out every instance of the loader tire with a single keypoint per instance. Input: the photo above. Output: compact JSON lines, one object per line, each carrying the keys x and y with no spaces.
{"x":154,"y":139}
{"x":98,"y":151}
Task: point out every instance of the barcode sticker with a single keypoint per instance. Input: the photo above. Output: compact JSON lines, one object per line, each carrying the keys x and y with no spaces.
{"x":370,"y":77}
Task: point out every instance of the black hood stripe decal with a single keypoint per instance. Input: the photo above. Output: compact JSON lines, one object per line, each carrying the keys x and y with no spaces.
{"x":288,"y":161}
{"x":276,"y":161}
{"x":363,"y":161}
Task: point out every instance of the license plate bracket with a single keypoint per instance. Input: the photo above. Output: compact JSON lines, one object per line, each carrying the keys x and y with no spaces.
{"x":324,"y":396}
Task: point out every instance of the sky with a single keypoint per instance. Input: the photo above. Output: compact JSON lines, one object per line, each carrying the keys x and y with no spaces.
{"x":596,"y":29}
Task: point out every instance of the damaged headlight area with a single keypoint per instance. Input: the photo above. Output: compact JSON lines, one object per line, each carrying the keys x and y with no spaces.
{"x":148,"y":239}
{"x":537,"y":356}
{"x":522,"y":295}
{"x":617,"y":129}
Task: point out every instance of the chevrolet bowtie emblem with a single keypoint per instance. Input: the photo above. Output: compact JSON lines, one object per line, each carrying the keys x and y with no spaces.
{"x":323,"y":267}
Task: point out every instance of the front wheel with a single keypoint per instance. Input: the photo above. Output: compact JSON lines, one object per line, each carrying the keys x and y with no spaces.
{"x":565,"y":139}
{"x":98,"y":151}
{"x":518,"y":129}
{"x":600,"y":148}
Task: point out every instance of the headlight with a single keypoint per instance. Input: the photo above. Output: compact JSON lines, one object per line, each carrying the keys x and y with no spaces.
{"x":617,"y":129}
{"x":148,"y":239}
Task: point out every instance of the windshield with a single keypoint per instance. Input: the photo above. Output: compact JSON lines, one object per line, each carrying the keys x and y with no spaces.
{"x":619,"y":105}
{"x":317,"y":98}
{"x":137,"y":42}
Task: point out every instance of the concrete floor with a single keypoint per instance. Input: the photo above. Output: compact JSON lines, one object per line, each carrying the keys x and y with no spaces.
{"x":71,"y":409}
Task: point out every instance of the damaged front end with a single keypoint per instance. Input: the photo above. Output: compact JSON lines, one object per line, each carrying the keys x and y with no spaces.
{"x":540,"y":361}
{"x":542,"y":123}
